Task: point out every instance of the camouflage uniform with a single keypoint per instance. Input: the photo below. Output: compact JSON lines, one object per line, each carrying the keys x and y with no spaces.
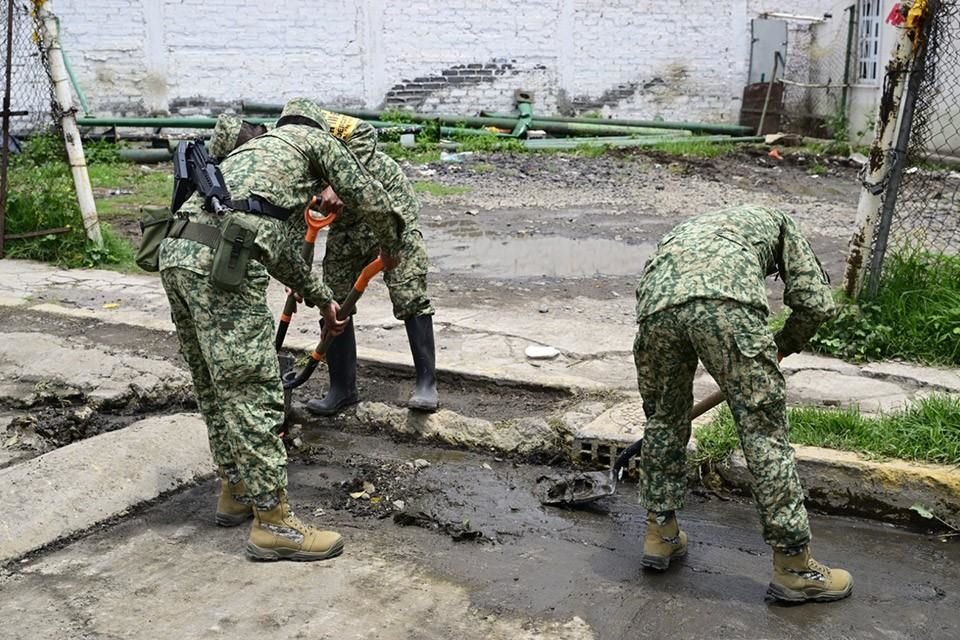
{"x":351,"y":243}
{"x":702,"y":295}
{"x":226,"y":337}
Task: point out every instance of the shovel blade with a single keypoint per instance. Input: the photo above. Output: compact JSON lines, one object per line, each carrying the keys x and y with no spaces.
{"x":575,"y":488}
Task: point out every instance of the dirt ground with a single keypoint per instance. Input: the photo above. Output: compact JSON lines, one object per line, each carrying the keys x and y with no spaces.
{"x":445,"y":542}
{"x":565,"y":226}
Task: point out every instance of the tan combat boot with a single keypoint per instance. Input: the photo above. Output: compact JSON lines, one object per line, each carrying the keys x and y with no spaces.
{"x":663,"y":543}
{"x":277,"y":534}
{"x":800,"y":578}
{"x":233,"y":507}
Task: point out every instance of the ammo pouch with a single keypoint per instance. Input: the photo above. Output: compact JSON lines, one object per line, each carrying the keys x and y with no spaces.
{"x":232,"y":253}
{"x":154,"y":227}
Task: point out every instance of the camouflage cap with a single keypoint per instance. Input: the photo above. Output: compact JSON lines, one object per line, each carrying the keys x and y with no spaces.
{"x":304,"y":108}
{"x":224,"y":135}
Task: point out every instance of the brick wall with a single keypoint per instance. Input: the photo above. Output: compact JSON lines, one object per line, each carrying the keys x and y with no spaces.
{"x":686,"y":60}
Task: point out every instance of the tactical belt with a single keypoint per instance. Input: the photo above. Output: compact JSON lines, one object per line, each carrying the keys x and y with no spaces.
{"x":205,"y":234}
{"x":258,"y":206}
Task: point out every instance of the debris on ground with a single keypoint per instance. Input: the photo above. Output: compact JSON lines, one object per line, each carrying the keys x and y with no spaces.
{"x":538,"y":352}
{"x":458,"y":531}
{"x":573,"y":489}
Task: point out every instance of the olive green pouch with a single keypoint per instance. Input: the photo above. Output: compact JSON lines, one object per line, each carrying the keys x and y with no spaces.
{"x":235,"y":250}
{"x":154,"y":226}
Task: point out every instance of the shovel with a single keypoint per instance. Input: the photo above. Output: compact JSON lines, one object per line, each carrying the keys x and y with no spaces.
{"x":584,"y":487}
{"x":580,"y":487}
{"x":292,"y":379}
{"x":315,"y":222}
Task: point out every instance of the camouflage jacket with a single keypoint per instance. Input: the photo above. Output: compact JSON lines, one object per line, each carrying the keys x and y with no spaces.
{"x":286,"y":167}
{"x":726,"y":255}
{"x":391,"y":176}
{"x":359,"y":135}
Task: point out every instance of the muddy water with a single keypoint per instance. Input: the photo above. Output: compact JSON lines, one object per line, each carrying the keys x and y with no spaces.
{"x":549,"y":256}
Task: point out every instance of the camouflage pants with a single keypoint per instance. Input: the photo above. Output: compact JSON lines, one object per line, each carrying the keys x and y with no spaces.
{"x":737,"y":349}
{"x":352,"y":247}
{"x":227,"y":340}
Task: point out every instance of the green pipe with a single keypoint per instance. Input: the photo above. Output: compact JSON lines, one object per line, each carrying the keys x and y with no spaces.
{"x":577,"y":127}
{"x":145,"y":156}
{"x":73,"y":78}
{"x":647,"y":141}
{"x":208,"y":123}
{"x":696,"y":127}
{"x":161,"y":123}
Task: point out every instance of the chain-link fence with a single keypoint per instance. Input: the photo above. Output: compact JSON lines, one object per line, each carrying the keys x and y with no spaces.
{"x":816,"y":85}
{"x":28,"y":100}
{"x":31,"y":89}
{"x":922,"y":203}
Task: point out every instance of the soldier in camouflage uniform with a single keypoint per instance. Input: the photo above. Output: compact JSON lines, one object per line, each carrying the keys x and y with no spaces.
{"x":702,"y":296}
{"x":351,"y":245}
{"x":226,"y":337}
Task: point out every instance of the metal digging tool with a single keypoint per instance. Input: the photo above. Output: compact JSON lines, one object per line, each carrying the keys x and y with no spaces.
{"x":292,"y":379}
{"x":579,"y":488}
{"x":584,"y":487}
{"x":314,"y":224}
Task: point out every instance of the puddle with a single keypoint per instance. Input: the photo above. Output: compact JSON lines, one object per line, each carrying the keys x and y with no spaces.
{"x":547,"y":256}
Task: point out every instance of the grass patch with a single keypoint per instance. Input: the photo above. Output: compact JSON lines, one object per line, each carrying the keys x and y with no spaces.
{"x":693,"y":148}
{"x":120,"y":189}
{"x":915,"y":315}
{"x":490,"y":144}
{"x":483,"y":167}
{"x":927,"y":431}
{"x":422,"y":153}
{"x":437,"y":189}
{"x":41,"y":196}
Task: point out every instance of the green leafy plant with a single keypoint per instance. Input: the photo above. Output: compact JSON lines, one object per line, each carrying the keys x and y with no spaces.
{"x":914,"y":316}
{"x":41,"y":196}
{"x":927,"y":430}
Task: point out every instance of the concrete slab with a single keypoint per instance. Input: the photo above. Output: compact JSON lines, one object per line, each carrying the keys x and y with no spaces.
{"x":830,"y":388}
{"x":75,"y":487}
{"x":805,"y":361}
{"x":103,"y":376}
{"x":945,"y":379}
{"x":622,"y":423}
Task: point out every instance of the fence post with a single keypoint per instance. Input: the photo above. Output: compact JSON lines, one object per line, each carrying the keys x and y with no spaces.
{"x":917,"y":72}
{"x":5,"y":151}
{"x":68,"y":121}
{"x":879,"y":161}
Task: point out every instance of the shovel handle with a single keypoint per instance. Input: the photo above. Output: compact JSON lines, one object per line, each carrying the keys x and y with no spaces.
{"x":714,"y":399}
{"x":346,"y":309}
{"x":315,"y":223}
{"x":698,"y":410}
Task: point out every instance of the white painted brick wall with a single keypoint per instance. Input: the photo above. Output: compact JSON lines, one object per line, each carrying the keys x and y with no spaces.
{"x":686,"y":60}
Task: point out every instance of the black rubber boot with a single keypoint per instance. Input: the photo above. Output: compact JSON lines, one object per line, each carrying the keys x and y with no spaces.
{"x":420,"y":334}
{"x":342,"y":364}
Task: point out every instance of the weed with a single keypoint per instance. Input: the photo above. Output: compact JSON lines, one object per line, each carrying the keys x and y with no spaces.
{"x":927,"y":430}
{"x":483,"y":167}
{"x":819,"y":169}
{"x":693,"y":148}
{"x":422,"y":153}
{"x":914,"y":316}
{"x":481,"y":143}
{"x":42,"y":196}
{"x":437,"y":189}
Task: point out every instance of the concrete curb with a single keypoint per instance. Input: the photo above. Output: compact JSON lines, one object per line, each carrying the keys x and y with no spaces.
{"x":365,"y":355}
{"x":846,"y":483}
{"x":73,"y":488}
